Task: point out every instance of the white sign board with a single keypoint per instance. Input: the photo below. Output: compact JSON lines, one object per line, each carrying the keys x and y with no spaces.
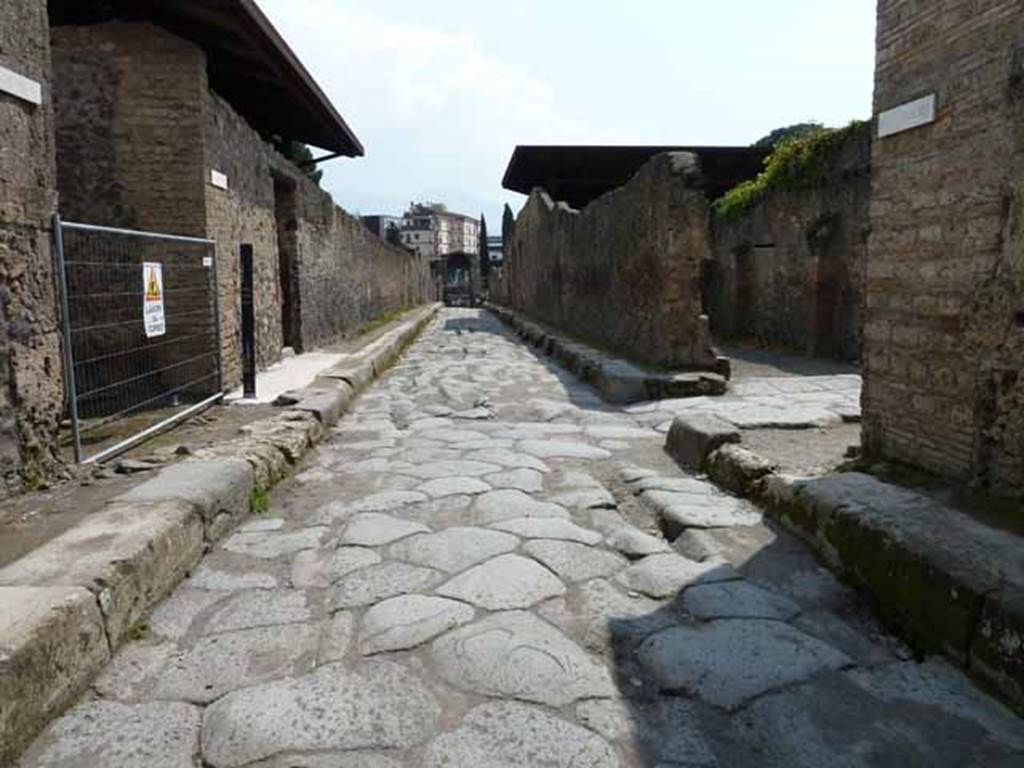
{"x":20,"y":87}
{"x":153,"y":299}
{"x":914,"y":114}
{"x":219,"y":179}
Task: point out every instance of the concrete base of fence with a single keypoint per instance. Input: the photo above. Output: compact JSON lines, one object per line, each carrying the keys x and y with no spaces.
{"x":619,"y":381}
{"x":942,"y":580}
{"x":70,"y":604}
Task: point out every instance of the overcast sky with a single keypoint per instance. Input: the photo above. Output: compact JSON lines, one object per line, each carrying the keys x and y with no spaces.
{"x":440,"y":92}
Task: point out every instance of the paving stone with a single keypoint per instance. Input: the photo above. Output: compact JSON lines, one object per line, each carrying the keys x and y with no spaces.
{"x":322,"y":567}
{"x":336,"y":638}
{"x":207,"y":576}
{"x":665,"y":575}
{"x":174,"y":617}
{"x":502,"y":734}
{"x":379,"y":705}
{"x":737,"y":600}
{"x":409,"y":620}
{"x":372,"y":529}
{"x":453,"y":549}
{"x":453,"y":486}
{"x":497,"y":506}
{"x":452,"y":435}
{"x":357,"y":759}
{"x":129,"y":676}
{"x":632,"y":542}
{"x":509,"y":459}
{"x":453,"y":468}
{"x":525,"y":480}
{"x":690,"y":485}
{"x":612,"y":432}
{"x":258,"y":608}
{"x":549,"y":528}
{"x":385,"y":501}
{"x":562,"y":449}
{"x":573,"y":561}
{"x":585,"y":498}
{"x":679,"y":511}
{"x":726,"y":663}
{"x":516,"y":655}
{"x":631,"y":474}
{"x":262,"y":525}
{"x":229,"y":661}
{"x":379,"y":582}
{"x":504,"y":582}
{"x":271,"y":544}
{"x":115,"y":735}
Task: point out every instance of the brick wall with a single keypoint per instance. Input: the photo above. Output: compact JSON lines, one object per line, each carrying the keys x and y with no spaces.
{"x":129,"y":101}
{"x":30,"y":367}
{"x":623,"y":273}
{"x":789,"y":270}
{"x":944,"y":329}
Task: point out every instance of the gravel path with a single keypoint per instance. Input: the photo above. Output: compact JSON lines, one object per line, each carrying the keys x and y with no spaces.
{"x":467,"y":575}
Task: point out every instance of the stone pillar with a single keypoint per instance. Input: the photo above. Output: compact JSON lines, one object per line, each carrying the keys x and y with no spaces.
{"x":30,"y":365}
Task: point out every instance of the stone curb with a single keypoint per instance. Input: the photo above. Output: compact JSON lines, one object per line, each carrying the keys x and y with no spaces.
{"x":618,"y":380}
{"x":71,"y":603}
{"x":943,"y":581}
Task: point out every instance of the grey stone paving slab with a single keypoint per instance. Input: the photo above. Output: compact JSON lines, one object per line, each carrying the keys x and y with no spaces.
{"x":258,"y":608}
{"x":691,"y":485}
{"x":525,"y":480}
{"x":453,"y":486}
{"x":516,"y":655}
{"x":633,"y":542}
{"x":503,"y":734}
{"x":115,"y":735}
{"x":379,"y":705}
{"x":562,"y":449}
{"x":272,"y":544}
{"x":336,"y":638}
{"x":737,"y":600}
{"x":208,"y":576}
{"x":497,"y":506}
{"x":573,"y":561}
{"x":502,"y":583}
{"x":453,"y":468}
{"x":584,"y":498}
{"x":174,"y":617}
{"x":549,"y":528}
{"x":509,"y":459}
{"x":667,"y":574}
{"x":128,"y":678}
{"x":409,"y":620}
{"x":612,"y":432}
{"x":373,"y":529}
{"x":385,"y":501}
{"x":320,"y":568}
{"x":726,"y":663}
{"x":226,"y":662}
{"x":453,"y":549}
{"x":378,"y":582}
{"x":680,"y":511}
{"x":357,"y":759}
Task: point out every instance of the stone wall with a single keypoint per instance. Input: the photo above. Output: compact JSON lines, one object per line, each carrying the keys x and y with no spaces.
{"x":788,"y":271}
{"x":944,"y":325}
{"x":623,"y":273}
{"x":30,"y":365}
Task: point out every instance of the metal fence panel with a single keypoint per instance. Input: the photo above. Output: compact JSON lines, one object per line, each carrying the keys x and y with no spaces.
{"x":141,"y":333}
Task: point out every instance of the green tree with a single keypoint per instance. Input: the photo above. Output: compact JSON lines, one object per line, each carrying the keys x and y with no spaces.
{"x":301,"y":156}
{"x":508,"y":226}
{"x":779,"y":135}
{"x":485,"y":254}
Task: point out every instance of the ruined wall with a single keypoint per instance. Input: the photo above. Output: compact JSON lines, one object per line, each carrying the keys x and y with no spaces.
{"x":944,"y":325}
{"x":242,"y":213}
{"x":788,"y":271}
{"x":129,"y":127}
{"x":30,"y":366}
{"x":623,"y":273}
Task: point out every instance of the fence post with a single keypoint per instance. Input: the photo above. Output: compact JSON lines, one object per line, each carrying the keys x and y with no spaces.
{"x":248,"y":324}
{"x":65,"y":328}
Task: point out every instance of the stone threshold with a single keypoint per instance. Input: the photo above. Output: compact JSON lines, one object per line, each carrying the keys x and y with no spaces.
{"x":617,"y":380}
{"x":942,"y":580}
{"x":70,"y":604}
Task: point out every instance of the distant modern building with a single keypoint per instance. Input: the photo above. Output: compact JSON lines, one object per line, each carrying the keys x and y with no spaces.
{"x":495,"y":250}
{"x":433,"y":232}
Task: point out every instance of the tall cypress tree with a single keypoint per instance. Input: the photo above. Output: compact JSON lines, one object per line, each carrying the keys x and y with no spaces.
{"x":508,"y":225}
{"x":485,"y":254}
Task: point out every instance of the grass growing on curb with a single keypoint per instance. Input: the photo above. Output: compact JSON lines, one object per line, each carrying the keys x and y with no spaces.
{"x":372,"y":325}
{"x":139,"y":630}
{"x":259,"y":501}
{"x":799,"y":163}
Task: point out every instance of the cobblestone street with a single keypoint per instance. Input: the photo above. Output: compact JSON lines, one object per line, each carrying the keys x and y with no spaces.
{"x":467,"y":574}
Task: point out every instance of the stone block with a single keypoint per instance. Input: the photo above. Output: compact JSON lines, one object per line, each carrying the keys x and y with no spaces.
{"x":737,"y":469}
{"x":997,"y":651}
{"x":692,"y":437}
{"x":129,"y":555}
{"x":327,"y":403}
{"x":52,"y":643}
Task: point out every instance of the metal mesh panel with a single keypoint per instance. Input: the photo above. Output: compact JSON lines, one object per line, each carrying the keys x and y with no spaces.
{"x":127,"y":374}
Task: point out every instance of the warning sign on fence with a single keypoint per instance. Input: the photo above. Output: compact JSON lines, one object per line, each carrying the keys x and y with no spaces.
{"x":153,"y":299}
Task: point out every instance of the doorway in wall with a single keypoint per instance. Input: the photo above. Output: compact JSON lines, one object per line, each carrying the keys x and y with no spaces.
{"x":286,"y":215}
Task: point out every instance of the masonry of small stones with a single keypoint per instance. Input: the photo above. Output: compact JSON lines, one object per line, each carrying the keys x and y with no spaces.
{"x":944,"y":318}
{"x":30,"y":378}
{"x":139,"y":133}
